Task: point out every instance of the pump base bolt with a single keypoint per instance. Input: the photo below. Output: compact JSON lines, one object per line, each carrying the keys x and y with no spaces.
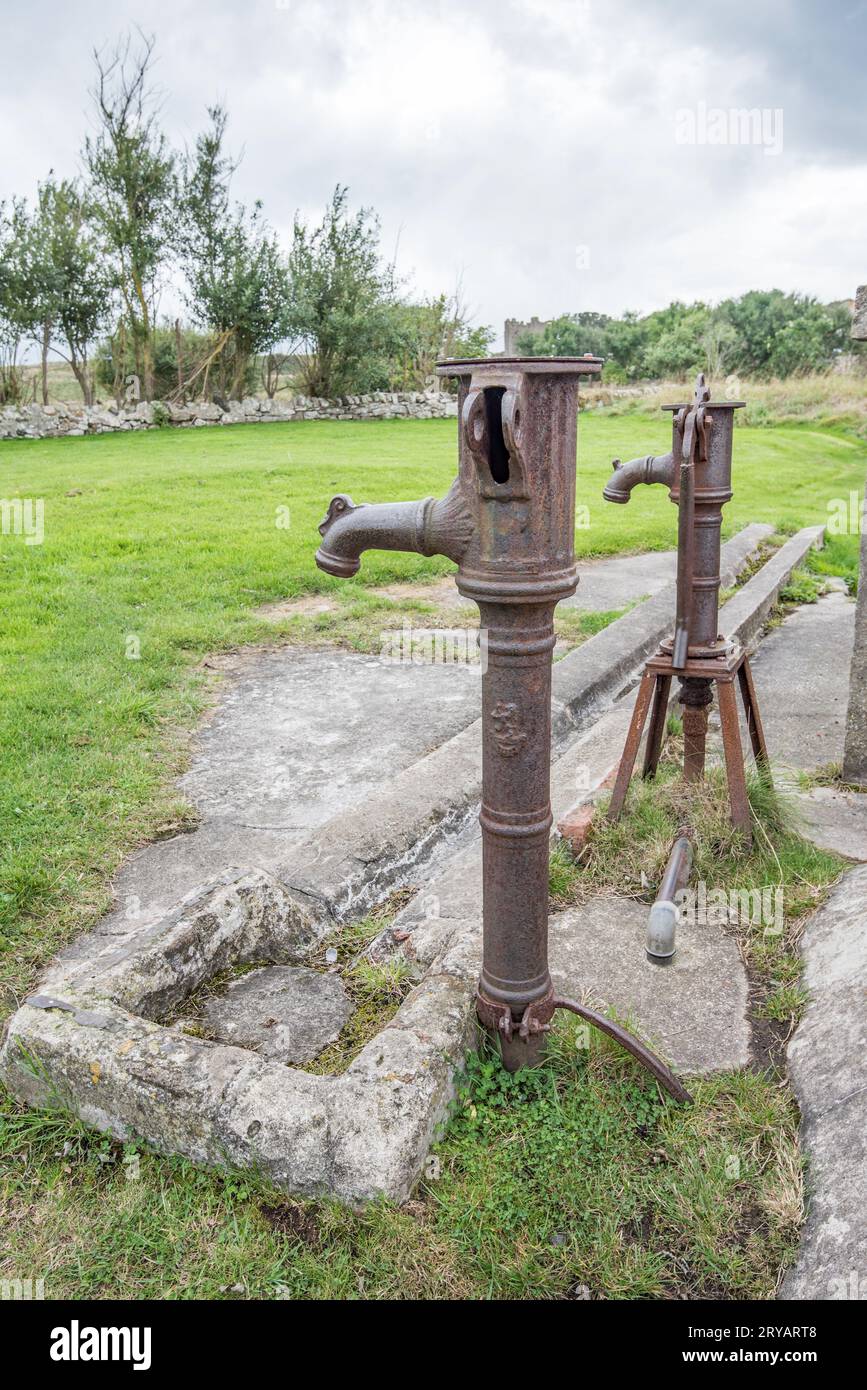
{"x":498,"y":1018}
{"x":522,"y":1041}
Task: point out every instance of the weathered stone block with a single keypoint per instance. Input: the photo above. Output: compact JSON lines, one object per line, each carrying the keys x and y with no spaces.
{"x":355,"y":1136}
{"x":855,"y":751}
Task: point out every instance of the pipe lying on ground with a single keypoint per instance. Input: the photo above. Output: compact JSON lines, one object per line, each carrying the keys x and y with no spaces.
{"x":662,"y":923}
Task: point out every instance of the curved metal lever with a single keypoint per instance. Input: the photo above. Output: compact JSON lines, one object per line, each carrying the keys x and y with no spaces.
{"x":664,"y":1075}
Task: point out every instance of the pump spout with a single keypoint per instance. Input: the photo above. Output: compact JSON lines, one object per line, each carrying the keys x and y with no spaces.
{"x":428,"y":527}
{"x":659,"y":469}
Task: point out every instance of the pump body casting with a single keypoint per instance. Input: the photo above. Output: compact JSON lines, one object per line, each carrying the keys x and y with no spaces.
{"x":509,"y":523}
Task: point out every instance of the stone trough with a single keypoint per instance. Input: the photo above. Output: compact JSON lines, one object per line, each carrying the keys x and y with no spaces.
{"x":97,"y":1040}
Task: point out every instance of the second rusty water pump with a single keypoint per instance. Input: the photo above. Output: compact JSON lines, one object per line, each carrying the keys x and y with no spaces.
{"x":698,"y":474}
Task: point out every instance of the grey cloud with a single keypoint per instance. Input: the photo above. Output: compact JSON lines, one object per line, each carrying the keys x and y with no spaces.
{"x":498,"y":136}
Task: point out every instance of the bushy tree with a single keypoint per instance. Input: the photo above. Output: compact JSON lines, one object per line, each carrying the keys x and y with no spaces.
{"x":238,"y":283}
{"x":35,"y":288}
{"x":680,"y":349}
{"x":429,"y":332}
{"x":763,"y":333}
{"x":778,"y":333}
{"x":76,"y":283}
{"x":343,"y":297}
{"x":570,"y":335}
{"x":17,"y":299}
{"x":57,"y":290}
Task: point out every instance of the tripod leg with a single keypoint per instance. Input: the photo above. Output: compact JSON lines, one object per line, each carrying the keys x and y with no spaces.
{"x":656,"y":729}
{"x":630,"y":750}
{"x":754,"y":719}
{"x":734,"y":757}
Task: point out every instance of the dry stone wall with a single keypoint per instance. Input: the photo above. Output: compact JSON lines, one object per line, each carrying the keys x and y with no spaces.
{"x":44,"y":422}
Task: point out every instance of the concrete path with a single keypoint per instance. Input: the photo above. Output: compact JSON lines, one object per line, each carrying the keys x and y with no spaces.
{"x":800,"y":671}
{"x":694,"y":1011}
{"x":826,"y":1064}
{"x":618,"y":580}
{"x":296,"y":738}
{"x":801,"y":677}
{"x":606,"y":583}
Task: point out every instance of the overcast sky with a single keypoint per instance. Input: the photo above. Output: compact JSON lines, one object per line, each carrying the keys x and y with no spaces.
{"x":549,"y":151}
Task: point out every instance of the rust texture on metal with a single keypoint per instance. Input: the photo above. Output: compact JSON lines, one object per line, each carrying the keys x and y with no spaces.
{"x":698,"y":474}
{"x":509,"y":523}
{"x":696,"y":698}
{"x":664,"y":1075}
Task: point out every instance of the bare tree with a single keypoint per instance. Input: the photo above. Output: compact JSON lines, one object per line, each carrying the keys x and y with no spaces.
{"x":131,"y":170}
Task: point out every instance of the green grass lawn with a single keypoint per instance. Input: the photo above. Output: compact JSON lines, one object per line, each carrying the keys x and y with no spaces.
{"x":165,"y":543}
{"x":575,"y":1180}
{"x":158,"y":549}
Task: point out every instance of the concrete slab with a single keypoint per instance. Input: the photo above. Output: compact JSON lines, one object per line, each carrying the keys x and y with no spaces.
{"x":694,"y":1011}
{"x":835,"y":820}
{"x":826,"y":1066}
{"x":296,"y":738}
{"x":609,"y":581}
{"x":285,"y":1013}
{"x":800,"y":675}
{"x":300,"y":735}
{"x":615,"y":581}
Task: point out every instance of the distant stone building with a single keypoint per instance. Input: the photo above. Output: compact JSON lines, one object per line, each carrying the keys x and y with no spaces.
{"x":514,"y":330}
{"x":859,"y":317}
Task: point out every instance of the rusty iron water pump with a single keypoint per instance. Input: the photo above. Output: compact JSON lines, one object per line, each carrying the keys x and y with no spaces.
{"x":698,"y":474}
{"x":508,"y":522}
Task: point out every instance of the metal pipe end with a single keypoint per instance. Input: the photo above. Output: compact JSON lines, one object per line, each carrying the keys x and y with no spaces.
{"x":660,"y":960}
{"x":342,"y":566}
{"x":661,"y":929}
{"x":611,"y":492}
